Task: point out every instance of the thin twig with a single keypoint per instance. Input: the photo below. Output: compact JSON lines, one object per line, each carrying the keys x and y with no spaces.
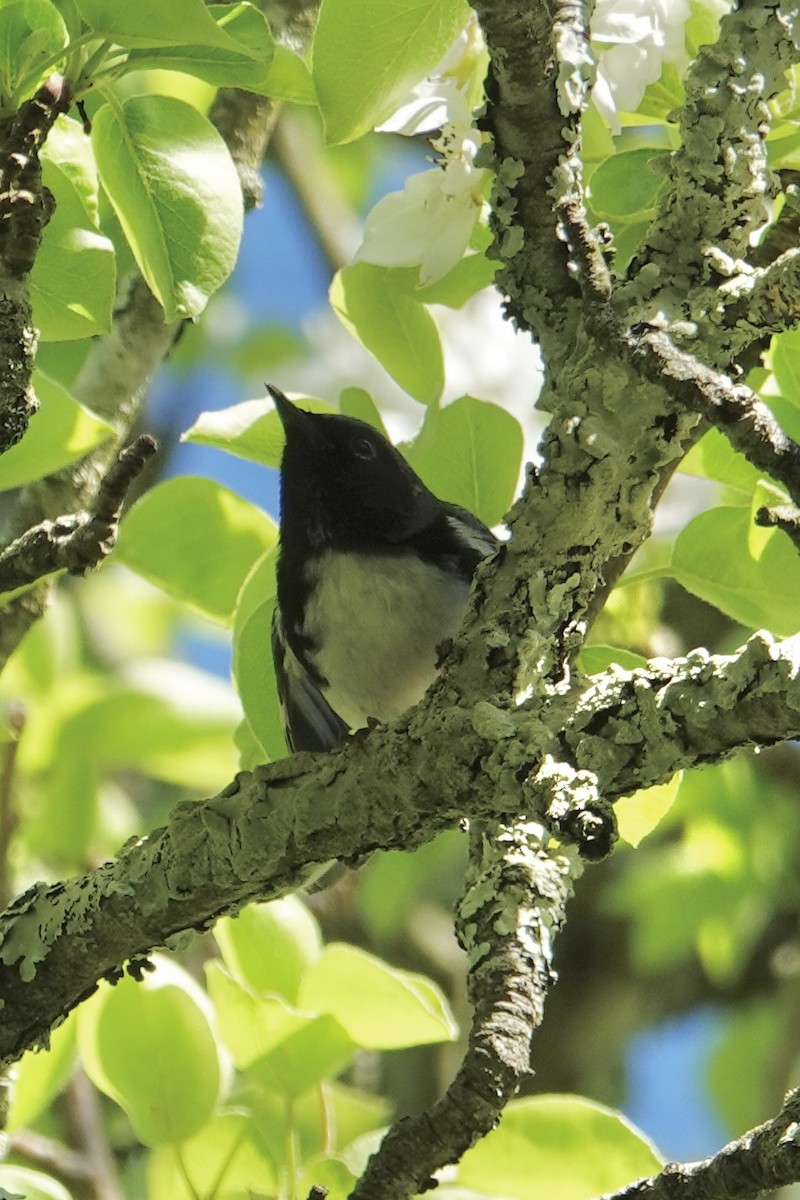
{"x":734,"y":409}
{"x":9,"y":816}
{"x":77,"y":542}
{"x":88,"y":1117}
{"x":53,"y":1156}
{"x":765,"y":1158}
{"x":593,"y":271}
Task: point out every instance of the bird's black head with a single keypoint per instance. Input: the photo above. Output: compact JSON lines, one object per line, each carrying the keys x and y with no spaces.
{"x":344,"y":485}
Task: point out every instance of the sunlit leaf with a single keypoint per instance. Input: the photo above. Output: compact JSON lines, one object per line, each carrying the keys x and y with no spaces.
{"x":60,"y":432}
{"x":394,"y":327}
{"x":281,"y":1048}
{"x":470,"y":453}
{"x":712,"y":559}
{"x":253,"y":669}
{"x":17,"y":1183}
{"x":197,"y":540}
{"x":151,"y":1046}
{"x":32,"y":32}
{"x":269,"y":946}
{"x":152,"y":23}
{"x":564,"y":1146}
{"x":639,"y":814}
{"x":368,"y":55}
{"x":176,"y":193}
{"x":227,"y":1149}
{"x":246,"y":65}
{"x":73,"y":278}
{"x":40,"y":1075}
{"x":251,"y":429}
{"x":381,"y":1007}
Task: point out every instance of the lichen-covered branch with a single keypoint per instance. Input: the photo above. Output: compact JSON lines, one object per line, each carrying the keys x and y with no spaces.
{"x":719,"y":181}
{"x":511,"y":910}
{"x":532,"y":92}
{"x":684,"y":712}
{"x":268,"y":831}
{"x":734,"y":409}
{"x":768,"y":300}
{"x":764,"y":1159}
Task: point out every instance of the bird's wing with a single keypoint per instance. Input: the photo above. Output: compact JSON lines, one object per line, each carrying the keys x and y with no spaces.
{"x":309,"y":722}
{"x":476,"y":539}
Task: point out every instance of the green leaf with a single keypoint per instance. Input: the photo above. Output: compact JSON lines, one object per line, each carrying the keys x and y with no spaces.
{"x":713,"y":457}
{"x":381,"y":1007}
{"x":367,"y":56}
{"x":19,"y":1182}
{"x":639,"y":814}
{"x":227,"y":1150}
{"x":597,"y":657}
{"x":288,"y":78}
{"x":357,"y":402}
{"x":32,"y":32}
{"x":251,"y":429}
{"x":153,"y":23}
{"x":397,"y":329}
{"x":253,"y":669}
{"x":564,"y":1146}
{"x":169,"y":719}
{"x":41,"y":1075}
{"x":785,"y":361}
{"x":282,"y":1049}
{"x":468,"y":277}
{"x":197,"y":540}
{"x":268,"y":946}
{"x":305,"y":1057}
{"x":151,"y":1047}
{"x":334,"y":1179}
{"x":626,"y":183}
{"x":74,"y":276}
{"x":59,"y":433}
{"x":224,"y":66}
{"x":702,"y":28}
{"x":176,"y":193}
{"x":470,"y":454}
{"x":68,"y":148}
{"x":712,"y":559}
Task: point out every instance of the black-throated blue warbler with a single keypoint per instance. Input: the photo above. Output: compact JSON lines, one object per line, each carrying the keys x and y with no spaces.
{"x":373,"y":575}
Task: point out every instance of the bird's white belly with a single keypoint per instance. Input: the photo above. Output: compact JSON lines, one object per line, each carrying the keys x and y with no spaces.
{"x":376,"y":623}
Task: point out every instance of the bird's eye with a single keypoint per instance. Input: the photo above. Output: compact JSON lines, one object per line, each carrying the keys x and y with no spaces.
{"x":363,"y":448}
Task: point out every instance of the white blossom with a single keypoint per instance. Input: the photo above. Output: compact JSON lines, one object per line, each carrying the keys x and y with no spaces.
{"x":633,"y":40}
{"x":429,"y":223}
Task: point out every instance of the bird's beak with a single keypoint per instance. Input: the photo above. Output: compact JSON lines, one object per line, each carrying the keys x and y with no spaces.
{"x":292,"y":418}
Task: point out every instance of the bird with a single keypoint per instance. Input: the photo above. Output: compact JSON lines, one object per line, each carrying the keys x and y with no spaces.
{"x":373,"y":576}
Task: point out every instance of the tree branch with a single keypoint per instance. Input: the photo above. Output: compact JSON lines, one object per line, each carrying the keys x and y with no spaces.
{"x":719,"y":179}
{"x":529,"y":88}
{"x":734,"y":409}
{"x":765,"y":1158}
{"x":513,"y":905}
{"x":267,"y":832}
{"x":25,"y":208}
{"x":78,"y":542}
